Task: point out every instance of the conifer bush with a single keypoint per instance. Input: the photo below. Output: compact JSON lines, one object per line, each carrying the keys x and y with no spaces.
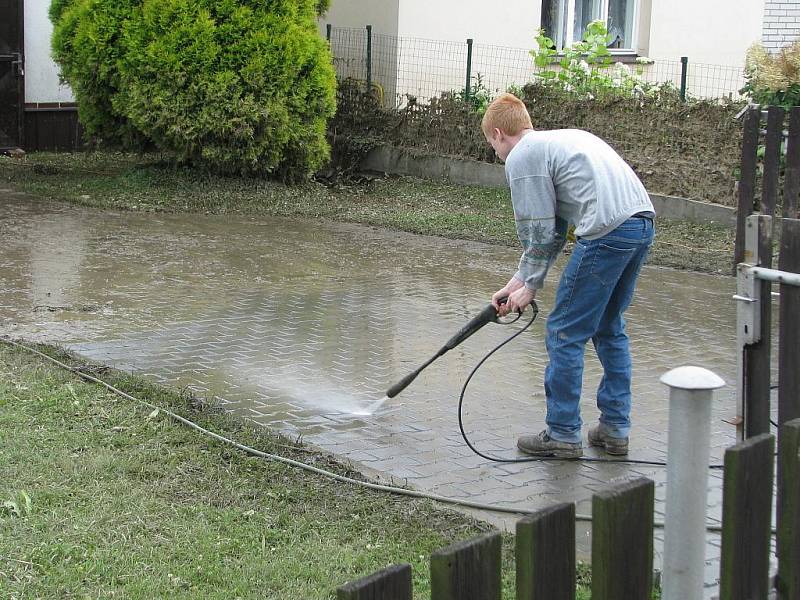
{"x":233,"y":86}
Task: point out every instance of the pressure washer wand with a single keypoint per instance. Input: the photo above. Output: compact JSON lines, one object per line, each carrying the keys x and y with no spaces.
{"x":487,"y":315}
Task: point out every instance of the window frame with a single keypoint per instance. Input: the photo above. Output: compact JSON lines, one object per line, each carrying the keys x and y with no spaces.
{"x":569,"y":34}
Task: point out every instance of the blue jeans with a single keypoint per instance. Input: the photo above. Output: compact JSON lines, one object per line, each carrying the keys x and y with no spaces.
{"x":595,"y":290}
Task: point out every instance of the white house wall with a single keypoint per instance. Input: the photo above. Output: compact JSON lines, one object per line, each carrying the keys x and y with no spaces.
{"x":716,"y":32}
{"x":502,"y":35}
{"x":41,"y":73}
{"x":349,"y":19}
{"x":507,"y":23}
{"x":431,"y":51}
{"x":381,"y":14}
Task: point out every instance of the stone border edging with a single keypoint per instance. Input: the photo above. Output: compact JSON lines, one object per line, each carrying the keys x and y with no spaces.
{"x":398,"y":161}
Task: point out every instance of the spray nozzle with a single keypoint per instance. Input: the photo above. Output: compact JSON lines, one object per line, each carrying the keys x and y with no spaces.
{"x":487,"y":315}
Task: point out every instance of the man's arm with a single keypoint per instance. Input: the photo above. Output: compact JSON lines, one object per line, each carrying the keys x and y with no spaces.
{"x":541,"y":233}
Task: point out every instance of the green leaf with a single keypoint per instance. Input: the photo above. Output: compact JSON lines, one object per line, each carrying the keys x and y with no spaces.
{"x":20,"y":506}
{"x":27,"y":502}
{"x":12,"y":507}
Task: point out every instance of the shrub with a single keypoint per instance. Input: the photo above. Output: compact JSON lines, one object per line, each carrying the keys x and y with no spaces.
{"x":688,"y":149}
{"x":479,"y":97}
{"x":86,"y":45}
{"x":229,"y":85}
{"x":586,"y":71}
{"x":773,"y":80}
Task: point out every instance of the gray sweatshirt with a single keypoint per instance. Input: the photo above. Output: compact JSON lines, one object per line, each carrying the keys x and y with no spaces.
{"x":567,"y":177}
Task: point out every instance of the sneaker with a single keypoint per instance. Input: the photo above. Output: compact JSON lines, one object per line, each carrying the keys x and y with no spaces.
{"x":543,"y":445}
{"x":612,"y":445}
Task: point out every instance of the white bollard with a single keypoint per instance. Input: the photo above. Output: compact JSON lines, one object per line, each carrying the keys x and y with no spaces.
{"x":688,"y":450}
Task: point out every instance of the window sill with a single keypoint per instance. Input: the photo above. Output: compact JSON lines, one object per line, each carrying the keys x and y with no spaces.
{"x":627,"y":57}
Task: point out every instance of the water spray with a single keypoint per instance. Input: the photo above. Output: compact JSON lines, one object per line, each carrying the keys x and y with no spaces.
{"x":487,"y":315}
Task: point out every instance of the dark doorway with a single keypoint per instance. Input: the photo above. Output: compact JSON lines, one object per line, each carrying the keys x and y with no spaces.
{"x":12,"y":90}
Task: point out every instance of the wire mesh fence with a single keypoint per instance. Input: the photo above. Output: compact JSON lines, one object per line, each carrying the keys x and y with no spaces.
{"x":403,"y":70}
{"x":349,"y":49}
{"x":715,"y":81}
{"x":497,"y":68}
{"x":427,"y":67}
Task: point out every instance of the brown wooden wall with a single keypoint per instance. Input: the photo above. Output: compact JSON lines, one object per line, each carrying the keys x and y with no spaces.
{"x":52,"y":127}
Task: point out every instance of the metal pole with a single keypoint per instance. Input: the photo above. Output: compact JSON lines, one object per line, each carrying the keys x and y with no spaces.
{"x":369,"y":59}
{"x":684,"y":70}
{"x":784,"y":277}
{"x":467,"y":92}
{"x":757,"y":318}
{"x":688,"y":450}
{"x":328,"y":28}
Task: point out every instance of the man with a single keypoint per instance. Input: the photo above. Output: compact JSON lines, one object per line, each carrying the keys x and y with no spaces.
{"x":571,"y":177}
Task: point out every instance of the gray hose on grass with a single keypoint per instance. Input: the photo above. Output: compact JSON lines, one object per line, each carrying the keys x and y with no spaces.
{"x":294,"y":463}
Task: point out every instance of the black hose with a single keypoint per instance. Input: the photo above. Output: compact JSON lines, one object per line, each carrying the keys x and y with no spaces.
{"x":500,"y":459}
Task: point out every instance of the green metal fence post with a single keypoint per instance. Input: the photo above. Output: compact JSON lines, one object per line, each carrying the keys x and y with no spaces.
{"x":467,"y":93}
{"x":684,"y":71}
{"x":369,"y":58}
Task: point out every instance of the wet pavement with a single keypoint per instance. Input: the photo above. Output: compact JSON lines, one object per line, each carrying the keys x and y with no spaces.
{"x":302,"y":325}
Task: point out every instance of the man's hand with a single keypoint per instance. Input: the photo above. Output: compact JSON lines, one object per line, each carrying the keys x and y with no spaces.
{"x":514,"y":286}
{"x":518,"y":301}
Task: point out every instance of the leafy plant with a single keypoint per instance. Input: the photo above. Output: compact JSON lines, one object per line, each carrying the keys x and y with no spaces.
{"x":585,"y":68}
{"x":773,"y":79}
{"x":19,"y":506}
{"x":479,"y":96}
{"x":515,"y":89}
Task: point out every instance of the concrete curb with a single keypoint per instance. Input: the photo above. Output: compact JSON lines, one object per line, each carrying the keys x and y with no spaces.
{"x":399,"y":161}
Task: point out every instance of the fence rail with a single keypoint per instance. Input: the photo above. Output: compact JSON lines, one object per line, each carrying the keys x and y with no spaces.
{"x":399,"y":68}
{"x":622,"y":541}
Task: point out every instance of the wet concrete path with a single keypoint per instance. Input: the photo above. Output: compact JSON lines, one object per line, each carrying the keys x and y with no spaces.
{"x":299,"y":325}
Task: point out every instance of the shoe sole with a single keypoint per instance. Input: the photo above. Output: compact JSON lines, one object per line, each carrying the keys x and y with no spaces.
{"x":612,"y":449}
{"x":552,"y":453}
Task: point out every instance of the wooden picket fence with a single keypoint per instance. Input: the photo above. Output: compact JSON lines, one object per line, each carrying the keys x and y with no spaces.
{"x":755,"y":401}
{"x":759,"y":219}
{"x":622,"y":541}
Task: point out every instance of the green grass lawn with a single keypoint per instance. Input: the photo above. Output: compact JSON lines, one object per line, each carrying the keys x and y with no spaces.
{"x":142,"y":183}
{"x":104,"y":498}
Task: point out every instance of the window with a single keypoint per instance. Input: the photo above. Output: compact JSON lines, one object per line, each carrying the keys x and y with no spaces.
{"x":564,"y":21}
